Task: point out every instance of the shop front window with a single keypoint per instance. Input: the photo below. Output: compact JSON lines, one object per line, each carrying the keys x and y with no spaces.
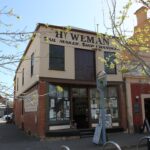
{"x":59,"y":103}
{"x":112,"y":103}
{"x":95,"y":103}
{"x":111,"y":106}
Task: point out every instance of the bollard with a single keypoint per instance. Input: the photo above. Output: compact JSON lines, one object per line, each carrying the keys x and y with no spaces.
{"x":112,"y":143}
{"x":63,"y":147}
{"x":142,"y":139}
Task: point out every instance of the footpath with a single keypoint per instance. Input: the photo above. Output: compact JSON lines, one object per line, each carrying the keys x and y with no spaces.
{"x":15,"y":139}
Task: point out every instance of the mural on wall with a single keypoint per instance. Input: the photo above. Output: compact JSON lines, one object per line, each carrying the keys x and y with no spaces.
{"x":31,"y":102}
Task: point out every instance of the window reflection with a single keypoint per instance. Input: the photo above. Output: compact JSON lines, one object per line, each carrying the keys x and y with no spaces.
{"x":95,"y":103}
{"x":111,"y":104}
{"x":59,"y":103}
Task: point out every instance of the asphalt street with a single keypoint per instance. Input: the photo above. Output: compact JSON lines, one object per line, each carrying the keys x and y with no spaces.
{"x":12,"y":138}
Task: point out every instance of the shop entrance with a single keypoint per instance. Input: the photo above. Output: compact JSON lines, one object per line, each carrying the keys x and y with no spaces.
{"x":80,"y":108}
{"x":147,"y":108}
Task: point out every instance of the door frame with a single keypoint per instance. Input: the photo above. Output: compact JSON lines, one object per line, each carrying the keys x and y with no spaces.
{"x":72,"y":102}
{"x":144,"y":96}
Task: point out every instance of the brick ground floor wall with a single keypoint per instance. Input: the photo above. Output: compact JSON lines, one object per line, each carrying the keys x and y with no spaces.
{"x":33,"y":122}
{"x":36,"y":122}
{"x":41,"y":120}
{"x":122,"y":107}
{"x":138,"y":89}
{"x":30,"y":122}
{"x":18,"y":113}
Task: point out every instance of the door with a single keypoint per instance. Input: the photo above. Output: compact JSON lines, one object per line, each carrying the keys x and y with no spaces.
{"x":147,"y":108}
{"x":80,"y":112}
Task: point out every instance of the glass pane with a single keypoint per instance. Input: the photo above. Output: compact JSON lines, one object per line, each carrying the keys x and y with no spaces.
{"x":56,"y":60}
{"x":59,"y":104}
{"x":75,"y":92}
{"x":112,"y":92}
{"x":52,"y":103}
{"x":95,"y":102}
{"x":110,"y":57}
{"x":57,"y":63}
{"x":59,"y":109}
{"x":83,"y":92}
{"x":52,"y":114}
{"x":94,"y":93}
{"x":56,"y":51}
{"x":52,"y":90}
{"x":60,"y":91}
{"x":65,"y":93}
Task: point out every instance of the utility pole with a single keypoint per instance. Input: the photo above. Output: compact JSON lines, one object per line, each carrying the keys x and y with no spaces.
{"x":100,"y":131}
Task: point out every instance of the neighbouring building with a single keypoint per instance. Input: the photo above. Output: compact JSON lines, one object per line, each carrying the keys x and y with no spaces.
{"x":6,"y":106}
{"x":138,"y":85}
{"x":2,"y":105}
{"x":55,"y":82}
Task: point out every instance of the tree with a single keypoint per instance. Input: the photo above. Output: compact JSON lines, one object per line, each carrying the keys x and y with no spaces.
{"x":133,"y":50}
{"x":11,"y":39}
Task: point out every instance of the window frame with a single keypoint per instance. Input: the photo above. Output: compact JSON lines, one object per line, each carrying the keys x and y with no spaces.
{"x":54,"y":96}
{"x":22,"y":76}
{"x":108,"y":70}
{"x":32,"y":64}
{"x":17,"y":86}
{"x":52,"y":59}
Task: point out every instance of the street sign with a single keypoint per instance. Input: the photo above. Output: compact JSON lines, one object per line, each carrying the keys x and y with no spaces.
{"x":101,"y":80}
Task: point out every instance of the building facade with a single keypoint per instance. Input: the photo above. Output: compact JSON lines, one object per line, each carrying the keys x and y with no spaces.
{"x":55,"y":82}
{"x":138,"y":85}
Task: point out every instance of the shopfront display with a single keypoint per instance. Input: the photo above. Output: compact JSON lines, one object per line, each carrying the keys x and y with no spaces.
{"x":59,"y":104}
{"x":72,"y":106}
{"x":111,"y":106}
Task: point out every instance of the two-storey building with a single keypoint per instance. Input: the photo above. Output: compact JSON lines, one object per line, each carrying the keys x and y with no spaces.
{"x":138,"y":84}
{"x":55,"y":82}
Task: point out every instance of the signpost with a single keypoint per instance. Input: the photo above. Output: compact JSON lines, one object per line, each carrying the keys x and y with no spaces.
{"x":100,"y":131}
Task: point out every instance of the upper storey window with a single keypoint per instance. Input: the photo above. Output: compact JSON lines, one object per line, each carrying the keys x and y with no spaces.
{"x":56,"y":57}
{"x":32,"y":64}
{"x":84,"y":65}
{"x":110,"y":66}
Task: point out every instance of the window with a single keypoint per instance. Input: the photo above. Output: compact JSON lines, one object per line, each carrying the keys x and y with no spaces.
{"x":23,"y":76}
{"x":56,"y":57}
{"x":95,"y":104}
{"x":59,"y":104}
{"x":110,"y":66}
{"x":17,"y":84}
{"x":111,"y":106}
{"x":112,"y":103}
{"x":84,"y":65}
{"x":32,"y":64}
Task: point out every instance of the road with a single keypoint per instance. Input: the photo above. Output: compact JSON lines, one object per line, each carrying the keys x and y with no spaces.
{"x":12,"y":138}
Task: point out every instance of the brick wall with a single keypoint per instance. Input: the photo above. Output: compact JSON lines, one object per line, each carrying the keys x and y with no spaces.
{"x":42,"y":88}
{"x":30,"y":124}
{"x":137,"y":89}
{"x":18,"y":113}
{"x":33,"y":123}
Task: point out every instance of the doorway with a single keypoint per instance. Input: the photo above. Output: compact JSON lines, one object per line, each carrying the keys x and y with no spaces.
{"x":147,"y":108}
{"x":80,"y":108}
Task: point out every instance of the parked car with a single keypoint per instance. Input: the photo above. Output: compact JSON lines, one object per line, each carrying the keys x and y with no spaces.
{"x":8,"y":118}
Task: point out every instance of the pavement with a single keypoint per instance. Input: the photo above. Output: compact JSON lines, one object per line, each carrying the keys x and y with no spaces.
{"x":12,"y":138}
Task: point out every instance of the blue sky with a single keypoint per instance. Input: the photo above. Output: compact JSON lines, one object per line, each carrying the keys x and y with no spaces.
{"x":79,"y":13}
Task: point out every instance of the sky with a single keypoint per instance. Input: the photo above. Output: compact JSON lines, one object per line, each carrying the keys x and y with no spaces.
{"x":84,"y":14}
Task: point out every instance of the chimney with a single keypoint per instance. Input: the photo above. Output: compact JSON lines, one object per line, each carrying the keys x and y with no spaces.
{"x":141,"y":15}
